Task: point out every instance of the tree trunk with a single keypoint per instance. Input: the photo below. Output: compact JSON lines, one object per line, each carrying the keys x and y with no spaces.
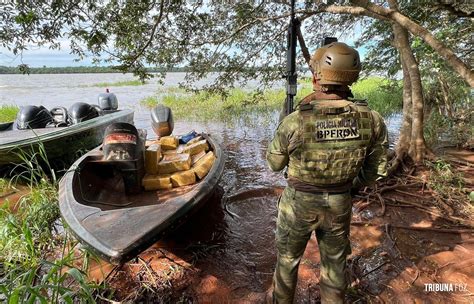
{"x":403,"y":144}
{"x":417,"y":147}
{"x":405,"y":132}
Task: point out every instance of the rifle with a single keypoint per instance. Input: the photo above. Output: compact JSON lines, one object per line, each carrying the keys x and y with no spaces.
{"x":291,"y":76}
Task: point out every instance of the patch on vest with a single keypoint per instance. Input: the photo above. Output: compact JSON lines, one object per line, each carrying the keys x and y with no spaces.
{"x":336,"y":128}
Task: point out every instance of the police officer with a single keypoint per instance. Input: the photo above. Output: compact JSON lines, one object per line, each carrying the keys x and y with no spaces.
{"x":332,"y":145}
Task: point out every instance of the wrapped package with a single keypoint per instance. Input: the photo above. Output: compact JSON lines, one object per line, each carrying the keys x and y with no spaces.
{"x":197,"y":147}
{"x":202,"y":167}
{"x":196,"y":157}
{"x":183,"y":178}
{"x":169,"y":142}
{"x":174,"y":162}
{"x":157,"y":182}
{"x":194,"y":140}
{"x":152,"y":158}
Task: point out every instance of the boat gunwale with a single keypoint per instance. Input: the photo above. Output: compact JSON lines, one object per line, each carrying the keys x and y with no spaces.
{"x":62,"y":131}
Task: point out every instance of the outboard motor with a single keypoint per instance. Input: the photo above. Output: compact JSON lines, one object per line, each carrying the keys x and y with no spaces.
{"x":108,"y":101}
{"x":124,"y":147}
{"x":162,"y":120}
{"x":32,"y":117}
{"x":81,"y":111}
{"x":60,"y":118}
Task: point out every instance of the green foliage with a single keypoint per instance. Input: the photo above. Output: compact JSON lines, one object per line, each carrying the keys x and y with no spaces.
{"x":444,"y":175}
{"x":8,"y":113}
{"x":383,"y":95}
{"x":205,"y":106}
{"x":4,"y":186}
{"x":37,"y":264}
{"x":448,"y":183}
{"x":455,"y":131}
{"x":34,"y":215}
{"x":35,"y":167}
{"x":445,"y":92}
{"x":243,"y":40}
{"x":124,"y":83}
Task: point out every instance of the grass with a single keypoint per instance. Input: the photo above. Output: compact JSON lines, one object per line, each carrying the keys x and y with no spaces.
{"x":37,"y":265}
{"x":8,"y":113}
{"x":125,"y":83}
{"x":205,"y":106}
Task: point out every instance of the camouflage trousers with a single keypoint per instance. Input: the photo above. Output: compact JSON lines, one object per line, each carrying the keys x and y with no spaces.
{"x":299,"y":214}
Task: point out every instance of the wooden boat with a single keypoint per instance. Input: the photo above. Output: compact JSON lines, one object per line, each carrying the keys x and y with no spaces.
{"x":116,"y":225}
{"x":58,"y":142}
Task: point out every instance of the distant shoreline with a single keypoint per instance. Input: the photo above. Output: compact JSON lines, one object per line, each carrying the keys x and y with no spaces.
{"x":78,"y":70}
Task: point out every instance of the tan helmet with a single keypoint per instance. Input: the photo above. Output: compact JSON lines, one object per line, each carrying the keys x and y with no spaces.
{"x":336,"y":64}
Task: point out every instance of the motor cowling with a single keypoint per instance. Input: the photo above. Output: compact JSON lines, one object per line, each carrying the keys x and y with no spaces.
{"x":162,"y":120}
{"x":108,"y":101}
{"x":124,"y":147}
{"x":32,"y":117}
{"x":120,"y":142}
{"x":81,"y":111}
{"x":60,"y":117}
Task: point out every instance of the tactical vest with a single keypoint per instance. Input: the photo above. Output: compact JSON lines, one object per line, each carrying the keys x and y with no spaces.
{"x":334,"y":137}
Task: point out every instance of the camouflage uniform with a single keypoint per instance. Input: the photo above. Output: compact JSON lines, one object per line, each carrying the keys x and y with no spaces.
{"x":329,"y":146}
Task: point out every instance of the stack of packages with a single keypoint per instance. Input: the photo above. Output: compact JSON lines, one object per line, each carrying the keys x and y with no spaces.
{"x":169,"y":164}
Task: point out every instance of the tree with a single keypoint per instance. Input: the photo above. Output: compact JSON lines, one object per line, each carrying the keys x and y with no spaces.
{"x":382,"y":58}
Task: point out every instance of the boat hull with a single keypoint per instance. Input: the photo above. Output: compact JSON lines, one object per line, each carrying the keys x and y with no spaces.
{"x":118,"y":226}
{"x":66,"y":143}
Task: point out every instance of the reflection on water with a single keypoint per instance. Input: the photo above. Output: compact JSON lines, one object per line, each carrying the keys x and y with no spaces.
{"x":243,"y":223}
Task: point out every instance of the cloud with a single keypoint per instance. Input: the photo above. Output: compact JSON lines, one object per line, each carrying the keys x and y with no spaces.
{"x":38,"y":56}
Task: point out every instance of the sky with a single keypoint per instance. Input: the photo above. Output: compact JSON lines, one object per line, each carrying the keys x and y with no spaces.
{"x":40,"y":56}
{"x":37,"y":56}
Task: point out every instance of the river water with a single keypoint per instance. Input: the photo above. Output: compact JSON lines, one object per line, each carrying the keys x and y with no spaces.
{"x":240,"y":223}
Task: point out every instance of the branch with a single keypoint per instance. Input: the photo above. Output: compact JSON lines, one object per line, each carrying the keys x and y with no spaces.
{"x":457,"y":64}
{"x":152,"y":35}
{"x":352,"y":10}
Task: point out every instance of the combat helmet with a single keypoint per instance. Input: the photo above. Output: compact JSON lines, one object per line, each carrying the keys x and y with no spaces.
{"x":336,"y":64}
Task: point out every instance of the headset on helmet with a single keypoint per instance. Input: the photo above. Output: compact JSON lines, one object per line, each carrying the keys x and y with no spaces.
{"x":336,"y":64}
